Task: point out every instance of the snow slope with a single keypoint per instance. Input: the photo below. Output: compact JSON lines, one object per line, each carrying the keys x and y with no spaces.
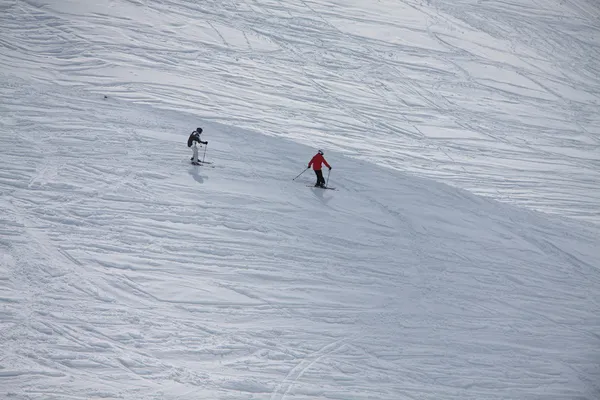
{"x":498,"y":97}
{"x":127,"y":273}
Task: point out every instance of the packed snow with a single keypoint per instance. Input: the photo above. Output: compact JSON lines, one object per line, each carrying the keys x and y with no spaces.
{"x":458,"y":257}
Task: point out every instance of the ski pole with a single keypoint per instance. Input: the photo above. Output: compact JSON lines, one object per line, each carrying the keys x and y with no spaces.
{"x":303,"y":171}
{"x":328,"y":173}
{"x":204,"y":155}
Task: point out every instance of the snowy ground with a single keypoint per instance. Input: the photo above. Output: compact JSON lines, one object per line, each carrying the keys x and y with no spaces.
{"x":498,"y":97}
{"x":127,"y":273}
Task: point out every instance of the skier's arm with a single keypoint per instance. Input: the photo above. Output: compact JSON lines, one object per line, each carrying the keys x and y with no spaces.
{"x":326,"y":163}
{"x":310,"y":162}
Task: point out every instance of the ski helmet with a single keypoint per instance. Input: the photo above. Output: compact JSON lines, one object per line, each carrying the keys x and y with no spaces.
{"x":320,"y":152}
{"x":199,"y":130}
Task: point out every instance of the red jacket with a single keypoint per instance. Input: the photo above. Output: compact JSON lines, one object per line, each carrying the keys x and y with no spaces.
{"x":316,"y":162}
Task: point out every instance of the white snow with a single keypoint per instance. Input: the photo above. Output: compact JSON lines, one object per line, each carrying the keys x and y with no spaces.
{"x":430,"y":273}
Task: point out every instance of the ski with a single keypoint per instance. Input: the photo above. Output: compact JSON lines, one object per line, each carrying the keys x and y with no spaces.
{"x":200,"y":163}
{"x":321,"y":187}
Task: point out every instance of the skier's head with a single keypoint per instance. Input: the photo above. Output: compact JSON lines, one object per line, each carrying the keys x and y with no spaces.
{"x":198,"y":130}
{"x":320,"y":152}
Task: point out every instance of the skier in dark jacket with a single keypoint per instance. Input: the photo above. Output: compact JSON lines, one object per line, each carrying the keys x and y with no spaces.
{"x":192,"y":140}
{"x":316,"y":163}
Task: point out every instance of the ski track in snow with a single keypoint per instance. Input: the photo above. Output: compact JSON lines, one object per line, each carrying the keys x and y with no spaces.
{"x":126,"y":272}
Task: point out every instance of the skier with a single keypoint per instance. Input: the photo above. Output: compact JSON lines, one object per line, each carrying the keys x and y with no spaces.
{"x":316,"y":163}
{"x":192,"y":140}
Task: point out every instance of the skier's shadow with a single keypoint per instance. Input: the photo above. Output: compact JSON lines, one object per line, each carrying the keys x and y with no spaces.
{"x":319,"y":193}
{"x":196,"y":174}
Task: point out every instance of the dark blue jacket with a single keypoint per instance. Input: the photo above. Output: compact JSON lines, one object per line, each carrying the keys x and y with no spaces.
{"x":195,"y":137}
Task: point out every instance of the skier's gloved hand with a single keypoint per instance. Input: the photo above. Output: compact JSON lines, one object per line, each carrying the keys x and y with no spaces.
{"x":308,"y":167}
{"x":330,"y":168}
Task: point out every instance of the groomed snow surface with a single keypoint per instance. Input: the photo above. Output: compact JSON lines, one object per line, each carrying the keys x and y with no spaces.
{"x":127,"y":273}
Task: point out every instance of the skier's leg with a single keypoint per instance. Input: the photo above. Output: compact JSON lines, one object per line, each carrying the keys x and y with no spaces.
{"x":317,"y":174}
{"x":195,"y":154}
{"x":320,"y":180}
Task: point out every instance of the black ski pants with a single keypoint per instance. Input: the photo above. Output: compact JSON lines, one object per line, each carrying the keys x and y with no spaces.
{"x":320,"y":179}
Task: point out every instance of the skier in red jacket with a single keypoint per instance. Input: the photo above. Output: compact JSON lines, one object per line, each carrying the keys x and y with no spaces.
{"x":316,"y":163}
